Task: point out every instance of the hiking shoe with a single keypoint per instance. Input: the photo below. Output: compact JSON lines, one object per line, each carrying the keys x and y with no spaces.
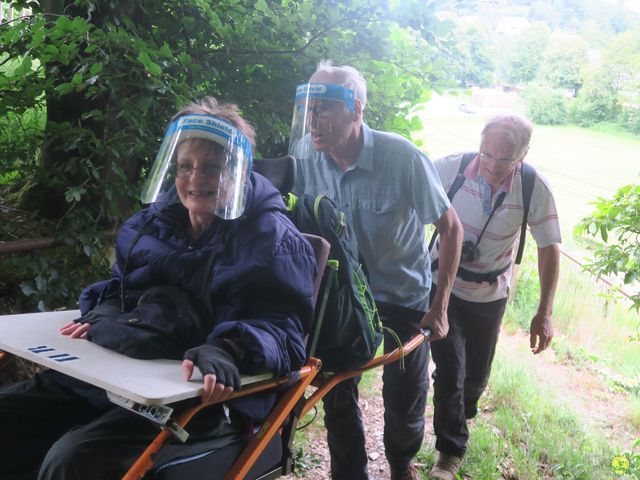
{"x":410,"y":473}
{"x":446,"y":467}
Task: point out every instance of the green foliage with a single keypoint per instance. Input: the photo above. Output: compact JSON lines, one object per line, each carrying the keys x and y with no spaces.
{"x":622,"y":59}
{"x":618,"y":218}
{"x":630,"y":119}
{"x":597,"y":101}
{"x":595,"y":34}
{"x":564,"y":62}
{"x":87,"y":88}
{"x":626,"y":464}
{"x":20,"y":140}
{"x":47,"y":282}
{"x":305,"y":460}
{"x":470,"y":56}
{"x":547,"y":13}
{"x":525,"y":54}
{"x":612,"y":17}
{"x":610,"y":92}
{"x":545,"y":106}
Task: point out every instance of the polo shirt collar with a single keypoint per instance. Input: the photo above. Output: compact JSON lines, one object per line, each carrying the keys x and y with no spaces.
{"x":365,"y":157}
{"x":472,"y":172}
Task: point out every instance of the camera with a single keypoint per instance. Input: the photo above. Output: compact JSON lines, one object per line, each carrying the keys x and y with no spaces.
{"x":470,"y":252}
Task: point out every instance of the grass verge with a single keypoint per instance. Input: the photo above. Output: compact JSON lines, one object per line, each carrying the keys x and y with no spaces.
{"x":526,"y":432}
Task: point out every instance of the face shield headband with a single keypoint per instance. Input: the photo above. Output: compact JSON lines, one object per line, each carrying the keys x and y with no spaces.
{"x":313,"y":102}
{"x":204,"y":163}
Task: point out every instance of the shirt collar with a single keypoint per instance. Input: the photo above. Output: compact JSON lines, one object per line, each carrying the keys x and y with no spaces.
{"x":365,"y":157}
{"x":472,"y":172}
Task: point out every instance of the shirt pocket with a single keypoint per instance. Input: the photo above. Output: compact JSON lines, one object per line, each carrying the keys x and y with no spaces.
{"x":379,"y":216}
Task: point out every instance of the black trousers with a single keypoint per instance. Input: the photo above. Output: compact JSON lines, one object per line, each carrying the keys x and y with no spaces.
{"x":49,"y":432}
{"x":404,"y":393}
{"x":463,"y":366}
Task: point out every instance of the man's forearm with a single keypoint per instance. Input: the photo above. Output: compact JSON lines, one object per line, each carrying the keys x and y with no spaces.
{"x":450,"y":232}
{"x":548,"y":272}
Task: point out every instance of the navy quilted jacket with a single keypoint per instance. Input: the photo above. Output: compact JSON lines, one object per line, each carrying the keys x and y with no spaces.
{"x":259,"y":287}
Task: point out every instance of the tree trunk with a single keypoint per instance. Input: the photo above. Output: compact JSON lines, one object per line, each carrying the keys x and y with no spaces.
{"x":47,"y":197}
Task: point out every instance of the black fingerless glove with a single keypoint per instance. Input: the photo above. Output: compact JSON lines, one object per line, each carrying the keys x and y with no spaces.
{"x":106,"y":310}
{"x":217,"y":359}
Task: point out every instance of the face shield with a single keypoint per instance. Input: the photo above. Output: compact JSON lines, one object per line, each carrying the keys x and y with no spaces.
{"x":203,"y":163}
{"x":317,"y":105}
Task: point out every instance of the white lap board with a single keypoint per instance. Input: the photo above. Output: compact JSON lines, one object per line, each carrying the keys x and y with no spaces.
{"x":36,"y":337}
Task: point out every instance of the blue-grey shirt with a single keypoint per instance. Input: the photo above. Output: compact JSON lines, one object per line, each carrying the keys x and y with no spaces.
{"x":389,"y":194}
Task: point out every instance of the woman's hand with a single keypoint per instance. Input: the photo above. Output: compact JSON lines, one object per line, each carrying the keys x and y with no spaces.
{"x":213,"y":391}
{"x":75,"y":330}
{"x":218,"y":368}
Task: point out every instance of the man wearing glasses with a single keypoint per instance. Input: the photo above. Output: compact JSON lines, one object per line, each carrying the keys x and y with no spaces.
{"x":490,"y":206}
{"x":389,"y":191}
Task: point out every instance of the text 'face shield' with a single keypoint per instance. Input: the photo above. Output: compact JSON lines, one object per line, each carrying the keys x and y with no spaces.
{"x":317,"y":106}
{"x":204,"y":163}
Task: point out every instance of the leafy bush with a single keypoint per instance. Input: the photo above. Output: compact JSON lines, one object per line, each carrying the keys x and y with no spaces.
{"x":545,"y":106}
{"x":20,"y":139}
{"x":630,"y":119}
{"x":618,"y":218}
{"x":596,"y":102}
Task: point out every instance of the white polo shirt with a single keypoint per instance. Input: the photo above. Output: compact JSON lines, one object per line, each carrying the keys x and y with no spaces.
{"x":473,"y":204}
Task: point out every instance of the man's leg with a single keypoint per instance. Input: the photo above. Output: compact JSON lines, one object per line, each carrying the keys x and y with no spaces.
{"x":34,"y":413}
{"x":345,"y":432}
{"x":448,"y":386}
{"x":482,"y":331}
{"x":405,"y":397}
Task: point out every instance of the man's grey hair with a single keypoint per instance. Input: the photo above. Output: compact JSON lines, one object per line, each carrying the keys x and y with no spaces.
{"x":347,"y":77}
{"x":516,"y":128}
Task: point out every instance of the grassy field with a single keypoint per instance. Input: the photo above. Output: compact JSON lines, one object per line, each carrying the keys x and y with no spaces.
{"x":580,"y":164}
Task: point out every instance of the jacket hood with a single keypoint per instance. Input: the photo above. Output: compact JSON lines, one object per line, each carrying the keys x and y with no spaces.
{"x":262,"y":196}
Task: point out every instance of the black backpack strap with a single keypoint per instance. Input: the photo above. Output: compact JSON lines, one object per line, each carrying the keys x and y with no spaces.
{"x":528,"y":175}
{"x":455,"y":186}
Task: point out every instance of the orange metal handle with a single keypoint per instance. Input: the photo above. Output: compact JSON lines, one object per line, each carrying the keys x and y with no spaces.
{"x":324,"y":385}
{"x":144,"y":463}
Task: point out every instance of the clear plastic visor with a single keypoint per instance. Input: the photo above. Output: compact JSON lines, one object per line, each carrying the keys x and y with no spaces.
{"x":315,"y":104}
{"x":204,"y":163}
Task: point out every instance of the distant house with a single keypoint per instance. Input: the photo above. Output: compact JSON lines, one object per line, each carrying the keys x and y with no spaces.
{"x":511,"y":25}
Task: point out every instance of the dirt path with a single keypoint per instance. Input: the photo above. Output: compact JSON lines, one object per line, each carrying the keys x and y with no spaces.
{"x":588,"y":393}
{"x":372,"y":412}
{"x":585,"y":391}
